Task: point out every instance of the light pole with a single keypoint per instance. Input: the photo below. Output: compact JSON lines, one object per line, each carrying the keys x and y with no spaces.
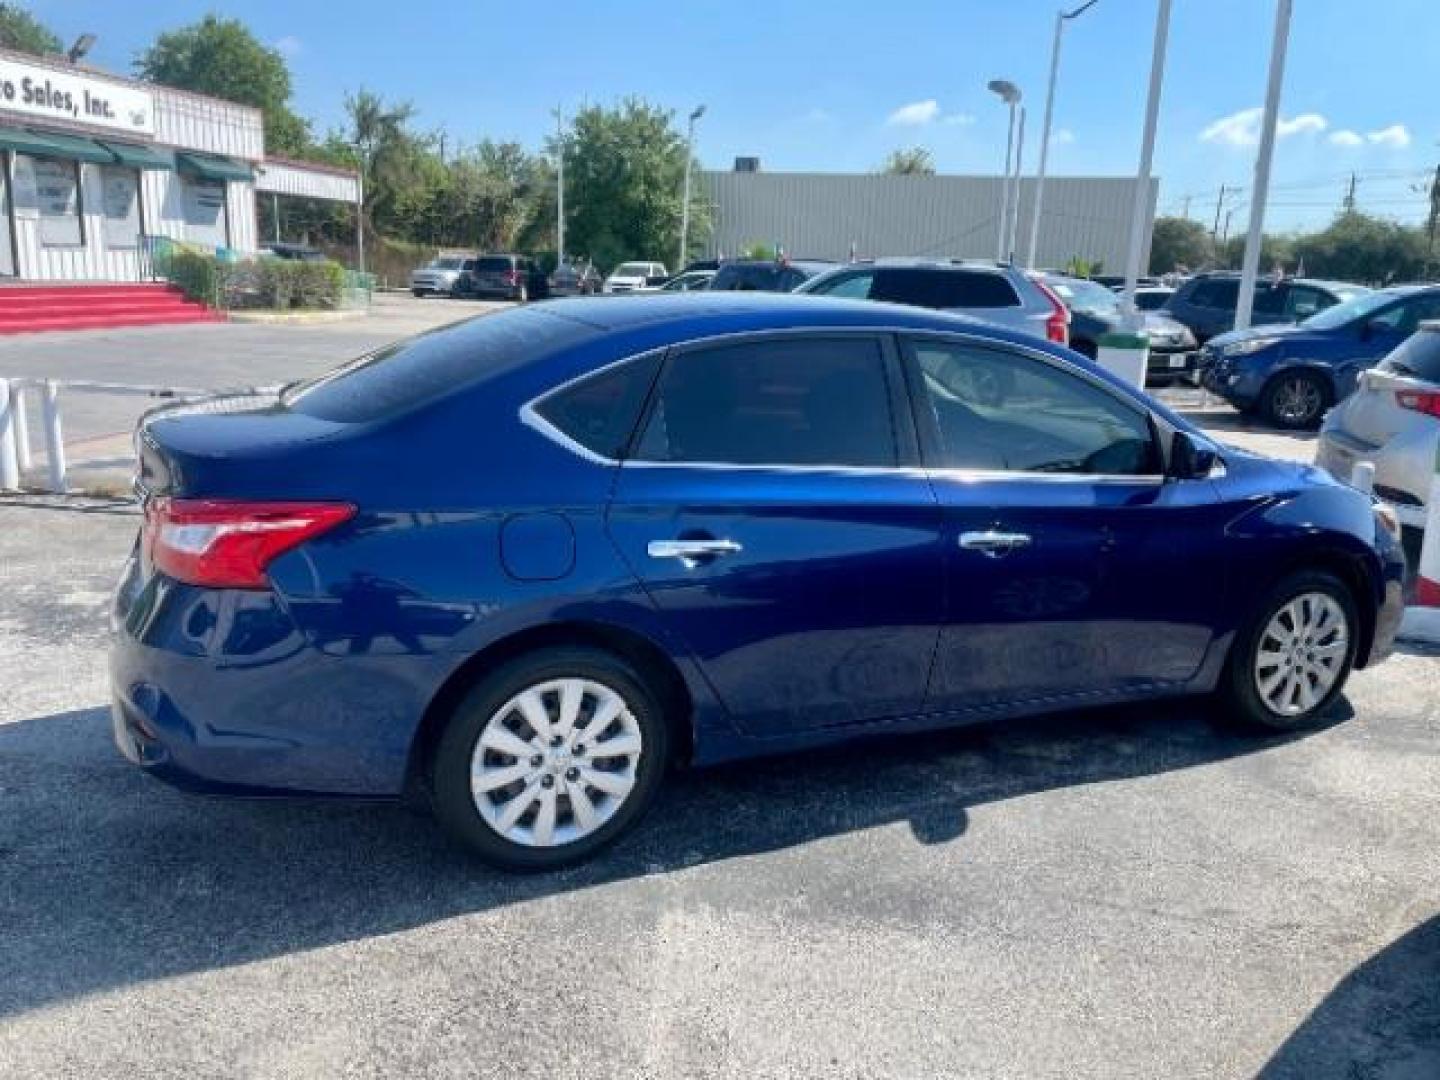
{"x":1250,"y":267}
{"x":559,"y":186}
{"x":1141,"y":206}
{"x":1009,"y":93}
{"x":1015,"y":198}
{"x":1061,"y":18}
{"x":698,"y":112}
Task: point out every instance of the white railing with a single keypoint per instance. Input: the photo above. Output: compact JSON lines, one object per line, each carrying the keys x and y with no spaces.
{"x":15,"y":451}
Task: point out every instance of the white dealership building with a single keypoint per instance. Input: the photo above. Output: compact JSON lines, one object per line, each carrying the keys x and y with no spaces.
{"x":95,"y":165}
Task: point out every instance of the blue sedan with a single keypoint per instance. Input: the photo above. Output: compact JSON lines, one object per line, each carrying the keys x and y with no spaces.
{"x":521,"y":567}
{"x":1290,"y":375}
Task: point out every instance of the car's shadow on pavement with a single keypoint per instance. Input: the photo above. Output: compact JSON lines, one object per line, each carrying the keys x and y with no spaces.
{"x":108,"y":878}
{"x":1381,"y":1020}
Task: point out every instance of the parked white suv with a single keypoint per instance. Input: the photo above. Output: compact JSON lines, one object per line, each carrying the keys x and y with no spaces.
{"x":635,"y":277}
{"x":438,"y":276}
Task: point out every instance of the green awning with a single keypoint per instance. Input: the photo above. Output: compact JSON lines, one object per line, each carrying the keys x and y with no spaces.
{"x":139,"y":157}
{"x":209,"y":167}
{"x":60,"y":146}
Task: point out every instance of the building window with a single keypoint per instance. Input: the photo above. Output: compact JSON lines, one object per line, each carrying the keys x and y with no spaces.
{"x":56,"y":184}
{"x":205,"y":212}
{"x":120,"y":206}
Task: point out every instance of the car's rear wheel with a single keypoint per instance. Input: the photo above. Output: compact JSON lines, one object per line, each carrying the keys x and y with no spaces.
{"x":419,"y":294}
{"x":550,"y":759}
{"x":1295,"y":400}
{"x":1292,"y":657}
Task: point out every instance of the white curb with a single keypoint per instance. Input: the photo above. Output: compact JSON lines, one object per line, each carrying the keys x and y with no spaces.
{"x":1421,"y":626}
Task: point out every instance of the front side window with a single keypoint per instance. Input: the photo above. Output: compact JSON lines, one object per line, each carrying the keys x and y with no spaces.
{"x":854,"y":286}
{"x":1000,"y":411}
{"x":1301,"y":301}
{"x":1224,"y":293}
{"x":792,"y":401}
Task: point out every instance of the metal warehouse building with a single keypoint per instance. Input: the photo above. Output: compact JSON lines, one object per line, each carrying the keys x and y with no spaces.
{"x":827,"y":215}
{"x":94,"y":165}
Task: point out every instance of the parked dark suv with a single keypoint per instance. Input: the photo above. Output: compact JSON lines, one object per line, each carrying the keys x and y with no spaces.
{"x":765,"y":275}
{"x":514,"y":277}
{"x":1206,"y":304}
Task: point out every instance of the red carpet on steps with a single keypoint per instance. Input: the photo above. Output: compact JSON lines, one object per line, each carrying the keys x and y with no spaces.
{"x":27,"y":308}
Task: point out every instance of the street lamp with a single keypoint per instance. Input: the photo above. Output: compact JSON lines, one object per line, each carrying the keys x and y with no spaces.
{"x":1009,"y":93}
{"x":83,"y":44}
{"x":698,"y":112}
{"x":1061,"y":18}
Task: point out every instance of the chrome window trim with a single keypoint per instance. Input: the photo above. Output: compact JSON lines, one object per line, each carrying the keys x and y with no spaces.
{"x":530,"y":417}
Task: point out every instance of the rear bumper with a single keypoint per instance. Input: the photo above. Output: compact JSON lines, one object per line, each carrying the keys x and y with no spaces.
{"x":1403,"y":467}
{"x":217,"y":691}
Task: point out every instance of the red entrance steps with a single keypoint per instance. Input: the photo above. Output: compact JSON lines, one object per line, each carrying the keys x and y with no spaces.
{"x":30,"y":308}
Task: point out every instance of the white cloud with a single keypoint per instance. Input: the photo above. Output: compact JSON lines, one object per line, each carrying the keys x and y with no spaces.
{"x":1396,"y":137}
{"x":289,"y":45}
{"x":958,"y":119}
{"x":1309,"y":122}
{"x":1064,"y":137}
{"x":1243,"y":128}
{"x":916,"y":114}
{"x":1346,"y":137}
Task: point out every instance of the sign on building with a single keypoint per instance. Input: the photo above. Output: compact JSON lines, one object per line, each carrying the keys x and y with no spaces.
{"x":46,"y":94}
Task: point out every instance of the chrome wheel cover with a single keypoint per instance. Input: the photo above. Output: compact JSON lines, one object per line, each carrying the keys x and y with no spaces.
{"x":555,"y":762}
{"x":1301,"y":653}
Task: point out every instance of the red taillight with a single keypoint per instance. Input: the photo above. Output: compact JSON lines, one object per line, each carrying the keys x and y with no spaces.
{"x":228,"y":545}
{"x":1425,"y":401}
{"x":1057,"y":325}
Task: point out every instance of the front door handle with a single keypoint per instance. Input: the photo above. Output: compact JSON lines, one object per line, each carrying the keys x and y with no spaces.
{"x":690,"y":551}
{"x":993,"y":543}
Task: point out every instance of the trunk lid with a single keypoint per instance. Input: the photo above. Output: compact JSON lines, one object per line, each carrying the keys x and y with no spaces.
{"x":1372,"y":413}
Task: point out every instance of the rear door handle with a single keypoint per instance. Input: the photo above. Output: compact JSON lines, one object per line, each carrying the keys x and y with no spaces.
{"x":691,"y":551}
{"x":993,"y":543}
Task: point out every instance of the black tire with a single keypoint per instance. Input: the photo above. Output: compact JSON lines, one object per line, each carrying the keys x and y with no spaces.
{"x":419,"y":294}
{"x":1238,"y":693}
{"x":451,"y":763}
{"x":1295,"y":400}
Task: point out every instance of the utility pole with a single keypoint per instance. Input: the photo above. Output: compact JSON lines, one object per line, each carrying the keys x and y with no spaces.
{"x":1141,"y":208}
{"x":695,"y":114}
{"x":1185,"y":208}
{"x":1015,"y":202}
{"x":559,"y":185}
{"x":1250,"y":268}
{"x":1219,"y":202}
{"x":1348,"y":203}
{"x":1434,"y":220}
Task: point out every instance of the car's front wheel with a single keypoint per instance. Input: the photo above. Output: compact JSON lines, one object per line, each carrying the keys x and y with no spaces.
{"x":550,"y":759}
{"x":1295,"y":400}
{"x":1291,"y":659}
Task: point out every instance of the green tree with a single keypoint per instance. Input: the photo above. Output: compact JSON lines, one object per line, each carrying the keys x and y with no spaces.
{"x":1358,"y":247}
{"x":1277,"y":253}
{"x":1179,"y":243}
{"x":222,"y":58}
{"x":625,"y":170}
{"x":915,"y":161}
{"x":21,"y":31}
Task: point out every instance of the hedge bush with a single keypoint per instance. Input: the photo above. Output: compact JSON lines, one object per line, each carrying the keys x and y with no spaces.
{"x":276,"y":284}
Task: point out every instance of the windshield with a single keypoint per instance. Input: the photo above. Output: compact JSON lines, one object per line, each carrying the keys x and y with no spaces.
{"x":1084,"y":295}
{"x":1357,"y":307}
{"x":449,"y":262}
{"x":632,"y":270}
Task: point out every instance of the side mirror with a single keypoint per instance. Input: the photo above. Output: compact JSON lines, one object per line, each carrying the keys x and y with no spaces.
{"x":1191,"y":457}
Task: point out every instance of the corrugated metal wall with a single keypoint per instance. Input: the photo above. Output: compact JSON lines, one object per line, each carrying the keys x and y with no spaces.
{"x":214,"y":127}
{"x":284,"y":178}
{"x":822,"y":214}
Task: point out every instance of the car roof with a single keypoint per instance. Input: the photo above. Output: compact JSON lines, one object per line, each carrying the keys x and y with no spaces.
{"x":927,"y":262}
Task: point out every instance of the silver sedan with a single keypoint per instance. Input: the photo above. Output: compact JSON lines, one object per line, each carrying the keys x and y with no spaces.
{"x":1393,"y":421}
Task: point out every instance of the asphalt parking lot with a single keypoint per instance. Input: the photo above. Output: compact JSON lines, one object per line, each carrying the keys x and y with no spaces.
{"x":1121,"y":893}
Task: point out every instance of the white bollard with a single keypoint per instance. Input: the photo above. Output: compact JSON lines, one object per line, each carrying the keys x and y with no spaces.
{"x":1362,"y":477}
{"x":9,"y":464}
{"x":22,"y":427}
{"x":54,"y":445}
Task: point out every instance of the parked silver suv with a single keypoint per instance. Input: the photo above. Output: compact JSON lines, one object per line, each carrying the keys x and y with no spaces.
{"x":998,"y":294}
{"x":438,"y":276}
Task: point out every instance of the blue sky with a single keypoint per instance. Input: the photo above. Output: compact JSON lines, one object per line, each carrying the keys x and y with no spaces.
{"x":835,"y":86}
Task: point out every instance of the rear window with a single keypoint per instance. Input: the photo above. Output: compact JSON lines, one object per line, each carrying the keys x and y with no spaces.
{"x":403,"y":376}
{"x":747,"y":278}
{"x":1418,"y":356}
{"x":936,"y":288}
{"x":599,"y":412}
{"x":447,"y":263}
{"x":492,"y":264}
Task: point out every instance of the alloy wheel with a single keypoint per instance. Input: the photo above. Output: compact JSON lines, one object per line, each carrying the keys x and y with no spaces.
{"x":1301,"y":653}
{"x":1298,"y":400}
{"x":555,"y":762}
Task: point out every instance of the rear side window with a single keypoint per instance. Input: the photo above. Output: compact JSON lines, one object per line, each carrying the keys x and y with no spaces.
{"x":405,"y":375}
{"x":797,"y":401}
{"x":1216,"y":294}
{"x":1418,"y":356}
{"x":746,"y":278}
{"x":935,"y":288}
{"x":600,"y":412}
{"x":492,"y":265}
